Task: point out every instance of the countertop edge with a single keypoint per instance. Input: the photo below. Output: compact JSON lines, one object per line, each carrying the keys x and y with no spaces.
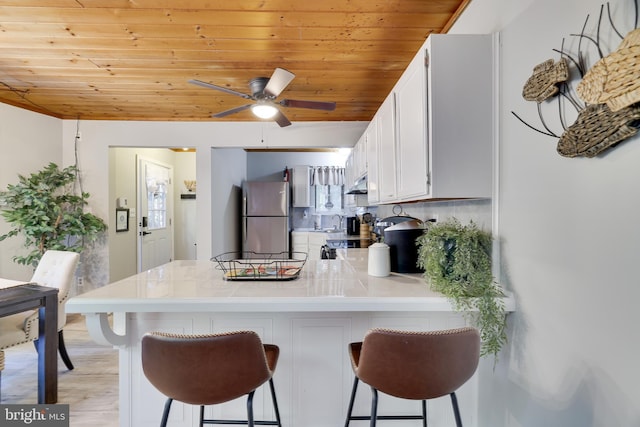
{"x":267,"y":305}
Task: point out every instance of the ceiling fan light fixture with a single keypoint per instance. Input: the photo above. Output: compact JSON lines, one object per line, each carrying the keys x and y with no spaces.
{"x":264,"y":111}
{"x":264,"y":93}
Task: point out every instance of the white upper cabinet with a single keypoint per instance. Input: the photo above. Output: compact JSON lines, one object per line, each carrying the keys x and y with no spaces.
{"x":303,"y":196}
{"x":371,"y":135}
{"x":460,"y":115}
{"x":435,"y":129}
{"x":356,"y":163}
{"x":349,"y":174}
{"x":360,"y":157}
{"x":387,"y":150}
{"x":411,"y":143}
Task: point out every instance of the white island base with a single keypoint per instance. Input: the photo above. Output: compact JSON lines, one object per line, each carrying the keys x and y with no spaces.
{"x":312,"y":319}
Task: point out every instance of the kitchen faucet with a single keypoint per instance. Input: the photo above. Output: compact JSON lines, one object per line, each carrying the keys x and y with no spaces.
{"x":335,"y":227}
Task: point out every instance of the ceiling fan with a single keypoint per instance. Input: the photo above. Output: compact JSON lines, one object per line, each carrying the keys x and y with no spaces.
{"x":264,"y":91}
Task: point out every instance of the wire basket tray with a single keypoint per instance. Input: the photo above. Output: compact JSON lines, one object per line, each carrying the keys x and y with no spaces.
{"x":260,"y":266}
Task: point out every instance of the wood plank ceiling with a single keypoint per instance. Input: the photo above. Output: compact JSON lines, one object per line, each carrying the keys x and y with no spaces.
{"x":132,"y":59}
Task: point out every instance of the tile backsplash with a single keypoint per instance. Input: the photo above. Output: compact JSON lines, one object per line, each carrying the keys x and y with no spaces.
{"x":478,"y":210}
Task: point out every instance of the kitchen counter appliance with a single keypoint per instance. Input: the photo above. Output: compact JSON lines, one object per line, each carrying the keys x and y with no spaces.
{"x":401,"y":239}
{"x":384,"y":223}
{"x":265,"y":217}
{"x":327,"y":252}
{"x":353,"y":225}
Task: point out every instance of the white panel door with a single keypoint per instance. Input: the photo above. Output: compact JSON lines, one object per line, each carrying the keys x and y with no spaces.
{"x":155,"y":230}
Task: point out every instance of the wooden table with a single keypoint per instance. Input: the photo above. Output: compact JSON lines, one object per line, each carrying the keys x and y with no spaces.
{"x":17,"y":299}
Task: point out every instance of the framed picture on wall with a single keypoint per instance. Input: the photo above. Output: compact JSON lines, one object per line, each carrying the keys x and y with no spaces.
{"x":122,"y":219}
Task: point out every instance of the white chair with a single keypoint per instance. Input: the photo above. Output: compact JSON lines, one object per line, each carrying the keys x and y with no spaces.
{"x":55,"y":269}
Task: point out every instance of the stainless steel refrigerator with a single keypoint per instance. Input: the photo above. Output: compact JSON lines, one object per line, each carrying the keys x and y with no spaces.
{"x":265,"y":217}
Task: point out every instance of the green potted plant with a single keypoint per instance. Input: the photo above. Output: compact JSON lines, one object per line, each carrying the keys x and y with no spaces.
{"x":457,"y":263}
{"x":49,"y":213}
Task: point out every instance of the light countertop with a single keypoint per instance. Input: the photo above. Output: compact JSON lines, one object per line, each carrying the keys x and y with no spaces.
{"x":323,"y":285}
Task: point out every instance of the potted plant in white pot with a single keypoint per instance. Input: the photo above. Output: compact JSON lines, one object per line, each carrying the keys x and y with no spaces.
{"x":457,"y":263}
{"x":45,"y":208}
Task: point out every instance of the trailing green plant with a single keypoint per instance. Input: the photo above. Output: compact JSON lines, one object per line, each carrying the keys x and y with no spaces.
{"x":457,"y":263}
{"x":49,"y":213}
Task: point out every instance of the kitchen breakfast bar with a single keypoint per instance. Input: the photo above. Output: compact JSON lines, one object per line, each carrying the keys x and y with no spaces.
{"x":312,"y":319}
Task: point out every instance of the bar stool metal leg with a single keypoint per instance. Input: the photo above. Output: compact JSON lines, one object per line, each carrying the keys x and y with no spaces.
{"x":351,"y":400}
{"x":250,"y":409}
{"x":275,"y":402}
{"x":374,"y":407}
{"x":456,"y":410}
{"x":165,"y":413}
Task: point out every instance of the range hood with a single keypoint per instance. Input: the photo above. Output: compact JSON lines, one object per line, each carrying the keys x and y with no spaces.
{"x":359,"y":187}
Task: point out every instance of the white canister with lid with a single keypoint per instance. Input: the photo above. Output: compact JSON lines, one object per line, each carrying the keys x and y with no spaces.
{"x":379,"y":260}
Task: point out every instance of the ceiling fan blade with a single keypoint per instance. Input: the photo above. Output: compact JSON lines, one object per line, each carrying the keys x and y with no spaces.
{"x":314,"y":105}
{"x":281,"y":119}
{"x":232,"y":111}
{"x":220,"y":88}
{"x":278,"y":81}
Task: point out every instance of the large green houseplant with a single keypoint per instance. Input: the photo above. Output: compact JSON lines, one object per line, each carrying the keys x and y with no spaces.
{"x":49,"y":213}
{"x":457,"y":263}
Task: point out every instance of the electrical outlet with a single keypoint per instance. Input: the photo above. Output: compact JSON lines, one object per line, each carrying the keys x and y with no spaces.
{"x":80,"y":281}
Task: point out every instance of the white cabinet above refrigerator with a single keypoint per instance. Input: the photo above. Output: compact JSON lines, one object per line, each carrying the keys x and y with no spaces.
{"x":302,"y":186}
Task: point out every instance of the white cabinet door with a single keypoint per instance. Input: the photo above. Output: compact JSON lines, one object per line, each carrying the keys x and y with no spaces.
{"x":411,"y":155}
{"x":361,"y":157}
{"x":302,"y":188}
{"x":460,"y":115}
{"x":371,"y":135}
{"x":356,"y":163}
{"x":316,"y":240}
{"x":387,"y":150}
{"x":349,"y":178}
{"x":299,"y":243}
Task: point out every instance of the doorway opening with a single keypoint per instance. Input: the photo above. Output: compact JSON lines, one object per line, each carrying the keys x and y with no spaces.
{"x":165,"y":199}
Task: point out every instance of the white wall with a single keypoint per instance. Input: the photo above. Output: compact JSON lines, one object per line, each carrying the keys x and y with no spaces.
{"x":230,"y":169}
{"x":28,"y":142}
{"x":185,"y":242}
{"x":570,"y":242}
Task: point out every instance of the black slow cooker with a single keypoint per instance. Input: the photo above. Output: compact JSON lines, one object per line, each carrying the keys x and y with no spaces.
{"x":401,"y":239}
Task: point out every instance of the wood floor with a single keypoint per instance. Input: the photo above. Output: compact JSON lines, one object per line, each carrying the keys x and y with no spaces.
{"x":91,"y":389}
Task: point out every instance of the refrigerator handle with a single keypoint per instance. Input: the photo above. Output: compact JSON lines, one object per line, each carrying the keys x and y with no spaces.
{"x":244,"y":203}
{"x":244,"y":230}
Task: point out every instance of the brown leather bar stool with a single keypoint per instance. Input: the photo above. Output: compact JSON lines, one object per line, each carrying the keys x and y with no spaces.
{"x":210,"y":369}
{"x":413,"y":365}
